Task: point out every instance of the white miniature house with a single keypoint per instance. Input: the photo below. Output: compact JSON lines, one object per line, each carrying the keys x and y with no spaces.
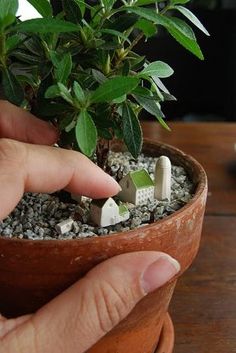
{"x":137,"y":187}
{"x":105,"y":212}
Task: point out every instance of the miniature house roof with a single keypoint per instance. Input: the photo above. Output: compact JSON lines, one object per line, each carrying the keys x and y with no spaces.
{"x":141,"y":179}
{"x":101,"y":202}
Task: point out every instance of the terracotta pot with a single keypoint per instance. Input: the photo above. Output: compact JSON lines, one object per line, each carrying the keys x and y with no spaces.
{"x":39,"y":270}
{"x":166,"y":340}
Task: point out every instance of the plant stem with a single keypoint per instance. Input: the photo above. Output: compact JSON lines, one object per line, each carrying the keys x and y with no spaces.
{"x":128,"y":49}
{"x":102,"y":152}
{"x":134,"y":43}
{"x":165,"y":9}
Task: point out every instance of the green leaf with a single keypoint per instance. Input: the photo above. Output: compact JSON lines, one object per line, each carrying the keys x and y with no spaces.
{"x":35,"y":46}
{"x":98,"y":76}
{"x":55,"y":57}
{"x":66,"y":121}
{"x":70,"y":126}
{"x":182,"y":33}
{"x":167,"y":22}
{"x":187,"y":43}
{"x":108,"y":4}
{"x":12,"y":42}
{"x":42,"y":6}
{"x":192,"y":18}
{"x":52,"y":92}
{"x":136,"y":61}
{"x":176,"y":27}
{"x":25,"y":73}
{"x":154,"y":87}
{"x":63,"y":68}
{"x":7,"y":21}
{"x":158,"y":68}
{"x":169,"y":97}
{"x":124,"y":22}
{"x":148,"y":28}
{"x":82,"y":5}
{"x":163,"y":123}
{"x":145,"y":98}
{"x":132,"y":131}
{"x":8,"y":7}
{"x":120,"y":99}
{"x":59,"y":90}
{"x":65,"y":93}
{"x":148,"y":14}
{"x":114,"y":88}
{"x":25,"y":56}
{"x":12,"y":88}
{"x":46,"y":25}
{"x":160,"y":84}
{"x":177,"y":24}
{"x":78,"y":91}
{"x":72,"y":10}
{"x":86,"y":133}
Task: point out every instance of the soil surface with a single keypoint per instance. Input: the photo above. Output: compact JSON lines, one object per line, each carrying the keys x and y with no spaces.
{"x":36,"y":215}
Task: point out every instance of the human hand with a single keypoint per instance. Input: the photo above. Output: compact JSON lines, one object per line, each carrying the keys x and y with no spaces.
{"x":79,"y":317}
{"x":29,"y":163}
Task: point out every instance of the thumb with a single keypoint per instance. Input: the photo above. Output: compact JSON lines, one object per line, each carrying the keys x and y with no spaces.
{"x":80,"y":316}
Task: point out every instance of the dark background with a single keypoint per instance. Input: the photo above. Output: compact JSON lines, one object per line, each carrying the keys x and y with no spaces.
{"x":206,"y":90}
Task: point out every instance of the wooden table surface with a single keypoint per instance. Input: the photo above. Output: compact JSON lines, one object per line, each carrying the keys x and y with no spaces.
{"x":203,"y":308}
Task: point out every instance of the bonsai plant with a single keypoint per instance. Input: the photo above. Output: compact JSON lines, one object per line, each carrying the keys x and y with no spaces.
{"x":79,"y":69}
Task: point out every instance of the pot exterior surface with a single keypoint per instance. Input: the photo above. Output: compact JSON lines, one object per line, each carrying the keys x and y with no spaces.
{"x":33,"y":272}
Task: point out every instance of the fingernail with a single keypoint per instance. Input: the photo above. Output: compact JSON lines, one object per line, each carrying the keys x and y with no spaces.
{"x":159,"y":272}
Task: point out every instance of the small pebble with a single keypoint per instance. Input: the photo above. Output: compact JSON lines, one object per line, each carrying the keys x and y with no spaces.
{"x":37,"y":215}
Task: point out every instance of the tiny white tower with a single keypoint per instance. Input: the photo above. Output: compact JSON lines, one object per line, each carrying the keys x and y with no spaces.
{"x":163,"y":178}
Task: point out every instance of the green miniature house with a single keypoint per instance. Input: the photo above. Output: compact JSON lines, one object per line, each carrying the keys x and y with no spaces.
{"x":137,"y":187}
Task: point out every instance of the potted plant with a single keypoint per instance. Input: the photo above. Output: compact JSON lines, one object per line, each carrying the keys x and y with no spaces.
{"x":79,"y":69}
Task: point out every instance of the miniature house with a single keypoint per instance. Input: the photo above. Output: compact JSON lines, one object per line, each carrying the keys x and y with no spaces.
{"x":105,"y":212}
{"x":137,"y":187}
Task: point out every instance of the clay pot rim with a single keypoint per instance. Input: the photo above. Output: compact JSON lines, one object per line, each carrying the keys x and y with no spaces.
{"x":200,"y":189}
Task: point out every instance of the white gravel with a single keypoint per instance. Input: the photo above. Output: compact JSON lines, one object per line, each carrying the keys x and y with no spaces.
{"x":36,"y":215}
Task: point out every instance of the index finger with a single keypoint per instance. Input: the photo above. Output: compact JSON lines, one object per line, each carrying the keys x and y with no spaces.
{"x":34,"y":168}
